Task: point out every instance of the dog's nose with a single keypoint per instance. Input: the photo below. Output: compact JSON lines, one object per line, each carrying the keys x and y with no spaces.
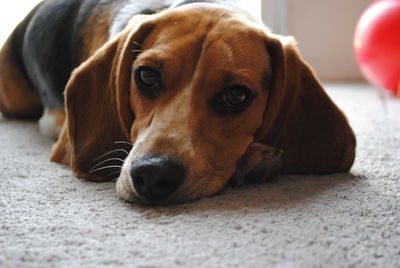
{"x":156,"y":178}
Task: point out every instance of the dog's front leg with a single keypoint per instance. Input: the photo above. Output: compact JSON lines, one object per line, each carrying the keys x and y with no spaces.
{"x":258,"y":164}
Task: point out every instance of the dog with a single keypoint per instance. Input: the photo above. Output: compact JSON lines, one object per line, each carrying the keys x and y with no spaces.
{"x":173,"y":99}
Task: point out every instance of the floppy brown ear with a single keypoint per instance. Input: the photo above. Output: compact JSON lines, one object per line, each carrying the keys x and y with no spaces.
{"x":301,"y":119}
{"x":97,"y":104}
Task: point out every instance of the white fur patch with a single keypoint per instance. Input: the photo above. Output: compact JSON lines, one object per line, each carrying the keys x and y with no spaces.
{"x":132,"y":8}
{"x":48,"y":125}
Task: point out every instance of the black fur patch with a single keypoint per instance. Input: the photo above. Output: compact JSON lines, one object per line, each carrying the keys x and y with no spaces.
{"x":17,"y":39}
{"x":52,"y":46}
{"x":149,"y":11}
{"x":48,"y":49}
{"x":48,"y":42}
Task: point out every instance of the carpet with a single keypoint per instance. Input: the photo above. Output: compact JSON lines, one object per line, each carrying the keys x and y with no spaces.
{"x":48,"y":218}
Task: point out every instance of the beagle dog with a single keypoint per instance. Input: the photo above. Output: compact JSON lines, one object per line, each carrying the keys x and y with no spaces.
{"x":174,"y":99}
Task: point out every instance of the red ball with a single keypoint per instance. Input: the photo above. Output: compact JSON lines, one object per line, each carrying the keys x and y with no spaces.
{"x":377,"y":44}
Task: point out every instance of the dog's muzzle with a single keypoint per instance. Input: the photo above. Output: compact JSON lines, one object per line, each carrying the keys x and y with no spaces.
{"x":155,"y":178}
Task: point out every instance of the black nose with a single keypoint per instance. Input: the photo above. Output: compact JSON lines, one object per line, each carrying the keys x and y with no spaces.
{"x":156,"y":178}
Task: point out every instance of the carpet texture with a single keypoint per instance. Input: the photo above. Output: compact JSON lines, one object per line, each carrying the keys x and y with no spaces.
{"x":48,"y":218}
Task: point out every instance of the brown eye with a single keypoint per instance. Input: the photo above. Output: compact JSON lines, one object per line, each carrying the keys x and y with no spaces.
{"x":148,"y":81}
{"x":148,"y":77}
{"x":233,"y":100}
{"x":235,"y":96}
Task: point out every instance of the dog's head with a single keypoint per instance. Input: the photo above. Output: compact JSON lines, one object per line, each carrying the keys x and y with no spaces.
{"x":191,"y":89}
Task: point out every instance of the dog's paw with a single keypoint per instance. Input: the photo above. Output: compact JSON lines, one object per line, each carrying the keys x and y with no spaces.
{"x":258,"y":164}
{"x":51,"y":122}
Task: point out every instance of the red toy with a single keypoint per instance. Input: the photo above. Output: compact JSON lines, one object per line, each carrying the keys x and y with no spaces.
{"x":377,"y":44}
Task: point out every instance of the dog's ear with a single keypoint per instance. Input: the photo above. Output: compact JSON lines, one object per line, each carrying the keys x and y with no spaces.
{"x":97,"y":103}
{"x":300,"y":118}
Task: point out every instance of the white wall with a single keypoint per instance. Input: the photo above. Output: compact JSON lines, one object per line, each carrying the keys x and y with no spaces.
{"x":274,"y":15}
{"x":11,"y":13}
{"x":252,"y":6}
{"x":324,"y":30}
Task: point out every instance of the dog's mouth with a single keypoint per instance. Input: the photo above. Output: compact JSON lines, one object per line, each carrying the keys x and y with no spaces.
{"x":163,"y":179}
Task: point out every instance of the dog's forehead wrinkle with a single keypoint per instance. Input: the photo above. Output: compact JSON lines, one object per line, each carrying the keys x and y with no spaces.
{"x":221,"y":39}
{"x":223,"y":47}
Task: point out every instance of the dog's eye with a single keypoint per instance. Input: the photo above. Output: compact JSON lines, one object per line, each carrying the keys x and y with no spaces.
{"x":148,"y":77}
{"x":234,"y":96}
{"x":148,"y":81}
{"x":233,"y":100}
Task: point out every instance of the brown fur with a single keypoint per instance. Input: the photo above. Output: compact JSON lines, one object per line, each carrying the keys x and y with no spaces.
{"x":18,"y":99}
{"x":100,"y":20}
{"x":60,"y":151}
{"x":59,"y":116}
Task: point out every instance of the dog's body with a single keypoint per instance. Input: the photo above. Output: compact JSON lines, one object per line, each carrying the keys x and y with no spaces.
{"x":195,"y":93}
{"x":54,"y":39}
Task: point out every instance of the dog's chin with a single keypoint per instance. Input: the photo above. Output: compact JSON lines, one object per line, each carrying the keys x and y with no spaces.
{"x":126,"y":192}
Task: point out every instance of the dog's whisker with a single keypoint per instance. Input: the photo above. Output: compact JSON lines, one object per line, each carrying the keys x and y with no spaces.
{"x":124,"y":142}
{"x":107,"y":160}
{"x":137,"y":51}
{"x":113,"y":151}
{"x":138,"y":44}
{"x":107,"y":167}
